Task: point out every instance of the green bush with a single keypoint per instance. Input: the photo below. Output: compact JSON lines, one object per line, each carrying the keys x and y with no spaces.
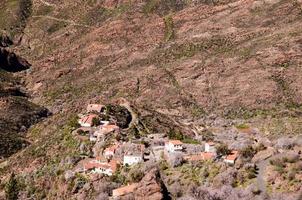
{"x":96,"y":121}
{"x":248,"y":152}
{"x":222,"y":149}
{"x":207,"y":135}
{"x":169,"y":28}
{"x":242,"y":126}
{"x":12,"y":188}
{"x":73,"y":122}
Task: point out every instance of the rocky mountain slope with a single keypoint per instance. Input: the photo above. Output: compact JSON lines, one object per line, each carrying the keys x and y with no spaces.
{"x":181,"y":64}
{"x":17,"y":113}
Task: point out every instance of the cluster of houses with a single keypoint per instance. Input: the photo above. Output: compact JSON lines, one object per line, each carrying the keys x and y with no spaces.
{"x":209,"y":152}
{"x":118,"y":154}
{"x":96,"y":128}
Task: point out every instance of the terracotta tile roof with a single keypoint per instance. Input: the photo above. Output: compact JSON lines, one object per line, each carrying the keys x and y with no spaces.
{"x":113,"y":165}
{"x":124,"y":190}
{"x":207,"y":155}
{"x":175,"y":142}
{"x":92,"y":165}
{"x":88,"y":118}
{"x":233,"y":156}
{"x":200,"y":156}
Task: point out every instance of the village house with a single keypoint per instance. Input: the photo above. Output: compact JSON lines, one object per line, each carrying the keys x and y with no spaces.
{"x":173,"y":145}
{"x":106,"y":129}
{"x":101,"y":167}
{"x":87,"y":120}
{"x":210,"y":147}
{"x":133,"y":159}
{"x":124,"y":190}
{"x":95,"y":108}
{"x":232,"y":157}
{"x":110,"y":151}
{"x":135,"y":155}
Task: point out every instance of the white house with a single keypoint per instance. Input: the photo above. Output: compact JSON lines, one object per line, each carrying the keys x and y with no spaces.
{"x":87,"y":121}
{"x":173,"y":145}
{"x":133,"y":159}
{"x":95,"y":108}
{"x":101,"y":167}
{"x":231,"y":158}
{"x":210,"y":147}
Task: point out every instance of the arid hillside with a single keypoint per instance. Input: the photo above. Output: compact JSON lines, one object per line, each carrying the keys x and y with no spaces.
{"x":181,"y":65}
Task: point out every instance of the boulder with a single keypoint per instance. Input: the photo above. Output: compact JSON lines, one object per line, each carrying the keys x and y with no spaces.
{"x":151,"y":187}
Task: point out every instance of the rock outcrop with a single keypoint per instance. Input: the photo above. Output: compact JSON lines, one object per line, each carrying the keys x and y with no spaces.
{"x":5,"y":41}
{"x":11,"y":62}
{"x":151,"y":187}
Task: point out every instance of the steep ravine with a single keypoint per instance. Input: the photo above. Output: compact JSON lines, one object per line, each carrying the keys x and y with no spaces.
{"x":17,"y":113}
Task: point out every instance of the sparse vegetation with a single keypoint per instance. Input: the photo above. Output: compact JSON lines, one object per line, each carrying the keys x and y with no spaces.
{"x":242,"y":126}
{"x":248,"y":152}
{"x":222,"y":149}
{"x":169,"y":28}
{"x":12,"y":188}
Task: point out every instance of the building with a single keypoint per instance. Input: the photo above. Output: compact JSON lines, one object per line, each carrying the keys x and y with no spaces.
{"x":210,"y":147}
{"x":95,"y":108}
{"x":106,"y":129}
{"x":92,"y":138}
{"x":173,"y":145}
{"x":232,"y":157}
{"x":87,"y":120}
{"x":101,"y":167}
{"x":124,"y":190}
{"x":133,"y":159}
{"x":110,"y":151}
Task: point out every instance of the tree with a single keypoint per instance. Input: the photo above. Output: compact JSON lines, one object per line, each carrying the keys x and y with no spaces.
{"x":248,"y":152}
{"x":222,"y":149}
{"x":96,"y":121}
{"x":12,"y":188}
{"x":207,"y":135}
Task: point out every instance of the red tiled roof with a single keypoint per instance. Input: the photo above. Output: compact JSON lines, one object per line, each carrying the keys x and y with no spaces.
{"x":207,"y":155}
{"x":233,"y":156}
{"x":88,"y":118}
{"x":92,"y":165}
{"x":201,"y":156}
{"x":124,"y":190}
{"x":112,"y":148}
{"x":175,"y":142}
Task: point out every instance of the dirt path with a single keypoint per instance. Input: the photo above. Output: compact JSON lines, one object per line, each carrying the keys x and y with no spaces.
{"x":261,"y":172}
{"x":260,"y":177}
{"x":47,"y":3}
{"x":70,"y":22}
